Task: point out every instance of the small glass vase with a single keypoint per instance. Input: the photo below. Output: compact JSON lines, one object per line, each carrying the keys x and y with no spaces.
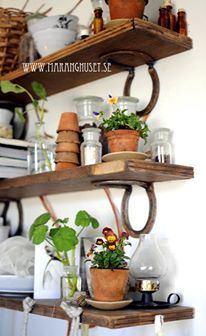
{"x":70,"y":283}
{"x":40,"y":152}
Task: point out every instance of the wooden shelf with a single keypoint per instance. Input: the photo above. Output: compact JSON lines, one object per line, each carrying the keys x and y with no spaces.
{"x":135,"y":35}
{"x":84,"y":178}
{"x":106,"y":319}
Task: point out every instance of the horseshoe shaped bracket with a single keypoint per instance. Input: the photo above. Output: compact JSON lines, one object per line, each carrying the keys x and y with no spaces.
{"x":127,"y":186}
{"x":147,"y":59}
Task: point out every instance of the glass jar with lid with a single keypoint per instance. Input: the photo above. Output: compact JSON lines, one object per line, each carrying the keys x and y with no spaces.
{"x":86,"y":106}
{"x":91,"y":148}
{"x":161,"y":146}
{"x":127,"y":103}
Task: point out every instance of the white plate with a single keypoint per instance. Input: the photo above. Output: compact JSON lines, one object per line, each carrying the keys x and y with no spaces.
{"x":124,"y":156}
{"x":106,"y":305}
{"x":16,"y":294}
{"x":14,"y":283}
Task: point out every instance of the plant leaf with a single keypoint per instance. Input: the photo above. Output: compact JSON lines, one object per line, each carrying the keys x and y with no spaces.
{"x":65,"y":239}
{"x":39,"y":89}
{"x":39,"y":234}
{"x":94,"y":222}
{"x":84,"y":219}
{"x":40,"y":220}
{"x":8,"y":86}
{"x":20,"y":114}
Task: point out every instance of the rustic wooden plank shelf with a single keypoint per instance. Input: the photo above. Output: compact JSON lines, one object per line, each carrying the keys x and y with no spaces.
{"x":107,"y":319}
{"x":133,"y":35}
{"x":84,"y":178}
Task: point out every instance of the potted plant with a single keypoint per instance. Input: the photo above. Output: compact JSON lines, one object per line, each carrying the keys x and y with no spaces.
{"x":60,"y":239}
{"x":109,"y":272}
{"x":122,"y":130}
{"x":121,"y":9}
{"x":41,"y":151}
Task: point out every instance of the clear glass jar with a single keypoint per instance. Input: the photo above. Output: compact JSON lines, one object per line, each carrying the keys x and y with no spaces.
{"x":161,"y":146}
{"x":85,"y":107}
{"x":41,"y":151}
{"x":128,"y":103}
{"x":91,"y":148}
{"x":70,"y":283}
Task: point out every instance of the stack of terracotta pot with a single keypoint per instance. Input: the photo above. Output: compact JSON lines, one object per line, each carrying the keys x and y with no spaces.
{"x":67,"y":149}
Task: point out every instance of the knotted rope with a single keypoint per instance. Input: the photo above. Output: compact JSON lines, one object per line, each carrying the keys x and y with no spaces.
{"x":74,"y":314}
{"x":28,"y":304}
{"x":159,"y":321}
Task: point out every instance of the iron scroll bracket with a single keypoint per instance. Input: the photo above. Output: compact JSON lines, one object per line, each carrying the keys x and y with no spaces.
{"x":128,"y":188}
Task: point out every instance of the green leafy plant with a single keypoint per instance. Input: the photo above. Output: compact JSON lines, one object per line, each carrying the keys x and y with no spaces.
{"x":38,"y":89}
{"x":61,"y":238}
{"x":59,"y":235}
{"x":119,"y":119}
{"x":108,"y":252}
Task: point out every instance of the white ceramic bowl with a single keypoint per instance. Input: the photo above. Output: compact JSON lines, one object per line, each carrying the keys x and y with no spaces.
{"x":52,"y":39}
{"x":57,"y":21}
{"x":5,"y":116}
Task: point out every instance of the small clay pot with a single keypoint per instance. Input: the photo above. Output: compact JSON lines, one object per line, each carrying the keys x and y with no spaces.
{"x":67,"y":147}
{"x":65,"y":165}
{"x":68,"y":122}
{"x":124,"y":9}
{"x":68,"y":136}
{"x":122,"y":140}
{"x":109,"y":284}
{"x":67,"y":157}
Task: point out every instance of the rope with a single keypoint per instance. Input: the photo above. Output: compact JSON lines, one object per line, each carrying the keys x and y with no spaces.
{"x":74,"y":314}
{"x":159,"y":321}
{"x":28,"y":304}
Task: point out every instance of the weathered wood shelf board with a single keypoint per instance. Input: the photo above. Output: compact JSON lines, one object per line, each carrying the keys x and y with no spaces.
{"x":107,"y":319}
{"x":135,"y":35}
{"x":85,"y":178}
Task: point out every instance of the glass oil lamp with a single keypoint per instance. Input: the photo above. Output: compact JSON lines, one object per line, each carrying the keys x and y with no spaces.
{"x":147,"y":267}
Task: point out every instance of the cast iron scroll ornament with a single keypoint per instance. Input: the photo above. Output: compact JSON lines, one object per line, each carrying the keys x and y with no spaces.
{"x":110,"y":58}
{"x":127,"y":185}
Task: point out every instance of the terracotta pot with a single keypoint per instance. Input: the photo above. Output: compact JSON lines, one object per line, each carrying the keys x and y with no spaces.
{"x":68,"y":136}
{"x":122,"y":140}
{"x":67,"y":157}
{"x":124,"y":9}
{"x":65,"y":165}
{"x":67,"y":147}
{"x":109,"y":285}
{"x":68,"y":122}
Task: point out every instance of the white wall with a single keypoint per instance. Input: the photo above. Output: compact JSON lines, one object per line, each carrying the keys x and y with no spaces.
{"x":180,"y":217}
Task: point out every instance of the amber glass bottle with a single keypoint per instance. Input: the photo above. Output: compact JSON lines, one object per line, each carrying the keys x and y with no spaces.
{"x":181,"y":26}
{"x":98,"y":23}
{"x":172,"y":18}
{"x":163,"y":20}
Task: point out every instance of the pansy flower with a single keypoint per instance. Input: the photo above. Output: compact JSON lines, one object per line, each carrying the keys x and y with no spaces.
{"x":112,"y":100}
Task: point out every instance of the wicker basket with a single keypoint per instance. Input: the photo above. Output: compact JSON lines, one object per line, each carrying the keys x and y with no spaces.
{"x":12,"y":28}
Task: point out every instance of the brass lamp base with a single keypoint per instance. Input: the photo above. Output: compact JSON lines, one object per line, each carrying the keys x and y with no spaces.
{"x":145,"y":285}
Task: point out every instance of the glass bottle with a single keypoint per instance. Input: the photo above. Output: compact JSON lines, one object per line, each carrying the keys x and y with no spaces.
{"x":163,"y":20}
{"x":91,"y":148}
{"x":102,"y":4}
{"x":171,"y":16}
{"x":181,"y":26}
{"x":98,"y":23}
{"x":161,"y":146}
{"x":40,"y":151}
{"x":70,"y":283}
